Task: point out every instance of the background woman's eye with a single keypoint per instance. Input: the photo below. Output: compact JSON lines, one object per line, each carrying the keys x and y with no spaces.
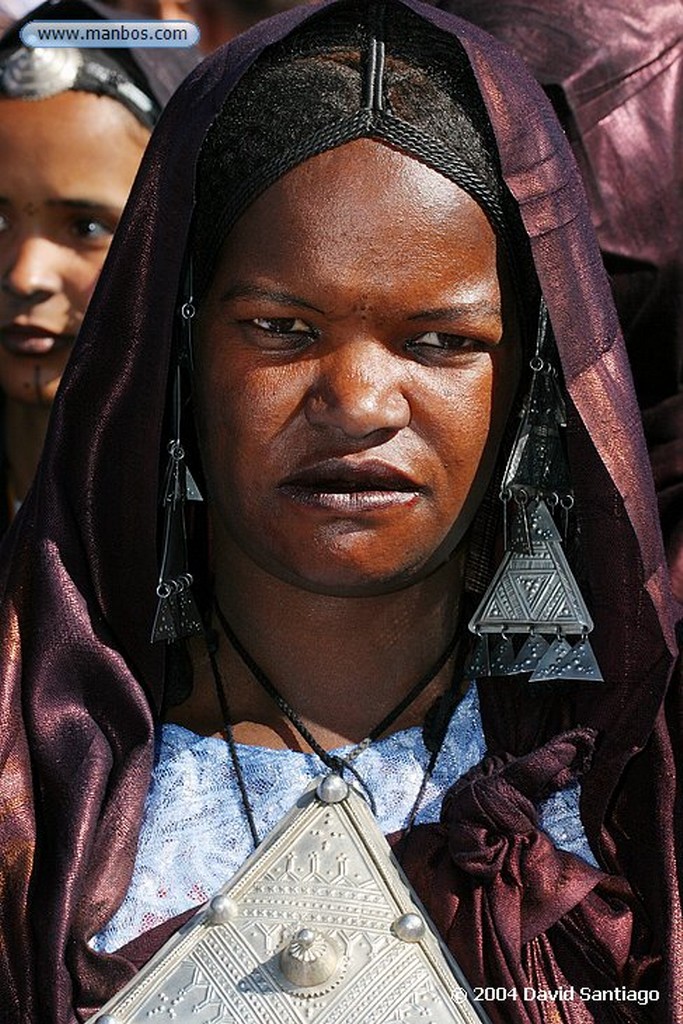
{"x":282,"y":325}
{"x":4,"y":222}
{"x":89,"y":228}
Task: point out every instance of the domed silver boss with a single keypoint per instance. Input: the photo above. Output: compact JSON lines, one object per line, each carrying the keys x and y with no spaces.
{"x":310,"y":959}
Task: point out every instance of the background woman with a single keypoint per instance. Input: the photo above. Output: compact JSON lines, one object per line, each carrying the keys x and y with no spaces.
{"x":73,"y":127}
{"x":369,"y":237}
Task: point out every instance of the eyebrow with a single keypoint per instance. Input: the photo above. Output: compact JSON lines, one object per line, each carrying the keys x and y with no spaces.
{"x":453,"y":314}
{"x":80,"y":204}
{"x":252,"y":291}
{"x":73,"y":204}
{"x":458,"y":312}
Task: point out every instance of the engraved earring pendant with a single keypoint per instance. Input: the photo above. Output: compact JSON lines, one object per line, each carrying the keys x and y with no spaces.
{"x":534,"y":594}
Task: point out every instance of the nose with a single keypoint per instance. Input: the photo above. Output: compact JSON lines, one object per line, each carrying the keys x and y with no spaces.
{"x":360,"y":391}
{"x":31,"y":271}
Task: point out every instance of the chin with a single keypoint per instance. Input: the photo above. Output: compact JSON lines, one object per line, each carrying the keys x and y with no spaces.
{"x":30,"y":390}
{"x":38,"y":397}
{"x":346,"y":563}
{"x":354,"y":586}
{"x":339,"y":574}
{"x":346,"y":577}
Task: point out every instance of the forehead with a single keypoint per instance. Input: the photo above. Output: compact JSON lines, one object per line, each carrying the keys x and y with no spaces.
{"x":363,"y":207}
{"x":68,"y":111}
{"x":57,"y":143}
{"x":91,"y":128}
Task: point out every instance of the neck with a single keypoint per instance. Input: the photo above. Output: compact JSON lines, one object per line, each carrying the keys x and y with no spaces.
{"x":341,"y":663}
{"x":25,"y":428}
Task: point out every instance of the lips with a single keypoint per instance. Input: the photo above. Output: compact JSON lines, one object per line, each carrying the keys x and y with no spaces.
{"x":31,"y":341}
{"x":339,"y":485}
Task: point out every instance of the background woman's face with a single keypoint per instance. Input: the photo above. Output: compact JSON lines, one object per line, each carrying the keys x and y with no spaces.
{"x":67,"y":165}
{"x":354,"y":373}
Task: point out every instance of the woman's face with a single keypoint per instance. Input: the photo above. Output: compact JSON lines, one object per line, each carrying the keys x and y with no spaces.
{"x":357,"y":357}
{"x":67,"y":165}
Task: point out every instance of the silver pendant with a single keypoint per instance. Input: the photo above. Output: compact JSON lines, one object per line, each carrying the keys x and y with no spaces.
{"x":565,"y":662}
{"x":318,"y":927}
{"x":534,"y":587}
{"x":533,"y":649}
{"x":502,"y":657}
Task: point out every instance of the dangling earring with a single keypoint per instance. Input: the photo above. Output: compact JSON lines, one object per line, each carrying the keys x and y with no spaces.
{"x":177,"y":614}
{"x":534,"y":592}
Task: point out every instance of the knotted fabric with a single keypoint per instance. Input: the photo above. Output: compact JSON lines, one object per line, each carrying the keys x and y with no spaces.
{"x":513,"y":909}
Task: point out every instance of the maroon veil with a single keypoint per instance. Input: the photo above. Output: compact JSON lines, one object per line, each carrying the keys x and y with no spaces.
{"x":81,"y":684}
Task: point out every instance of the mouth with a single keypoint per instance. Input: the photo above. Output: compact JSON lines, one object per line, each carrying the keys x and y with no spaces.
{"x":31,"y":341}
{"x":337,"y":485}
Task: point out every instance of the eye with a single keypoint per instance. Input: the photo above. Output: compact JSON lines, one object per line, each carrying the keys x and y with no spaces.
{"x":90,"y":229}
{"x":280,"y":333}
{"x":436,"y":341}
{"x":4,"y":222}
{"x":283,"y":325}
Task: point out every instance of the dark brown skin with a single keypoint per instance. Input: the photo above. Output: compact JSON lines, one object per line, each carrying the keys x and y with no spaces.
{"x":353,"y":379}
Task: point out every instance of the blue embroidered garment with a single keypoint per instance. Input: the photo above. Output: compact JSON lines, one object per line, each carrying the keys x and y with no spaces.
{"x":194,"y":833}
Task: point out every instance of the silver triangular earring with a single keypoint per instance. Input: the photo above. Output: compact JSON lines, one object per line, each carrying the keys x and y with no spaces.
{"x":534,"y":592}
{"x":530,"y":654}
{"x":562,"y":661}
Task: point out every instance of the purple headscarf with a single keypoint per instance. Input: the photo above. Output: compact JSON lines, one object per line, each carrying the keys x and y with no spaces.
{"x":81,"y":684}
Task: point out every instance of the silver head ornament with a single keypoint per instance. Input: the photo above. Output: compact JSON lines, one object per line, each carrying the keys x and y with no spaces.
{"x":35,"y":74}
{"x":43,"y":72}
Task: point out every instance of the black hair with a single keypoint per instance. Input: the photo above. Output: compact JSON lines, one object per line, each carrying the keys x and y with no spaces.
{"x":322,"y":87}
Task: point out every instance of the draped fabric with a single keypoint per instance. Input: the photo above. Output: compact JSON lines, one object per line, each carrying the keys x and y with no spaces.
{"x":518,"y":914}
{"x":615,"y":73}
{"x":81,"y":685}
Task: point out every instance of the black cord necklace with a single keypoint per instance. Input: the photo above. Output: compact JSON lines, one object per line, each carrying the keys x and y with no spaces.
{"x":436,"y":724}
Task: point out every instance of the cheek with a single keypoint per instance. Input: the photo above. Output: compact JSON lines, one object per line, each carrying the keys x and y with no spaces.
{"x":472,"y":424}
{"x":247,"y":418}
{"x":80,"y":279}
{"x":487,"y":411}
{"x":462,"y":419}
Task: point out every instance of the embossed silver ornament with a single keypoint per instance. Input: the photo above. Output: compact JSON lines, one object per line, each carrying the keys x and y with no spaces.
{"x":310,"y":959}
{"x":328,"y":930}
{"x":409,"y":928}
{"x":534,"y":590}
{"x":332,"y":789}
{"x":222,"y":909}
{"x":34,"y":74}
